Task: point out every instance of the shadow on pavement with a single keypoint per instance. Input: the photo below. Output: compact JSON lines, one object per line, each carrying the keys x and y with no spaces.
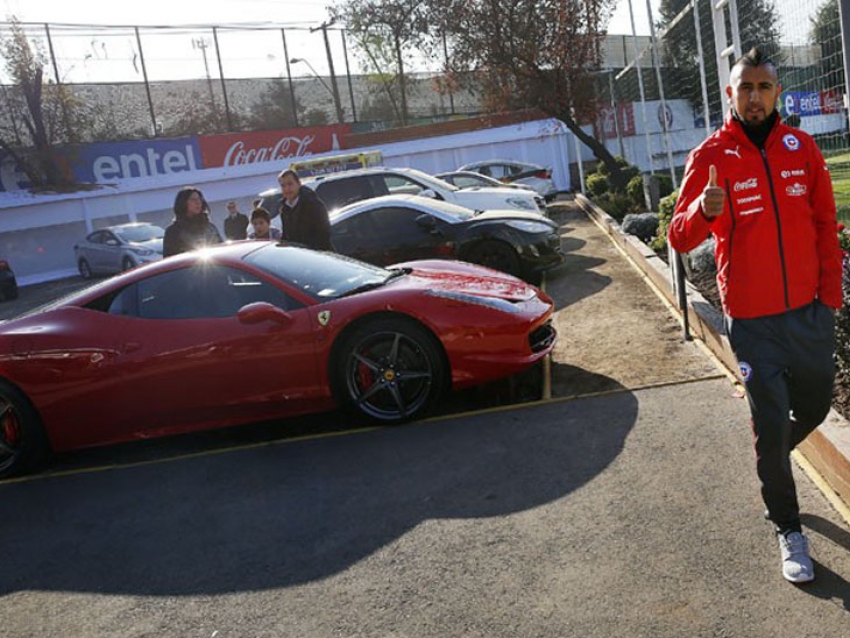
{"x":827,"y":585}
{"x":288,"y":513}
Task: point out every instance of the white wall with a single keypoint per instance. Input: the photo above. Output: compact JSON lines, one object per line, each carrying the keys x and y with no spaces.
{"x":38,"y":232}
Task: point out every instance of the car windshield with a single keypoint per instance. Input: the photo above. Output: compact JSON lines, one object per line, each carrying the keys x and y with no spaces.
{"x":432,"y":182}
{"x":139,"y":234}
{"x":321,"y":275}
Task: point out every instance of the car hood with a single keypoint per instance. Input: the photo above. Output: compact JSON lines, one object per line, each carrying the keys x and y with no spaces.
{"x":456,"y":276}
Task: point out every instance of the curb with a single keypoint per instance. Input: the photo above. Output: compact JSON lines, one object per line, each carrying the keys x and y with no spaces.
{"x":827,"y":449}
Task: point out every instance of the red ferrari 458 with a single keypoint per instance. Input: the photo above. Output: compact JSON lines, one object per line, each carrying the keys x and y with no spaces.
{"x":253,"y":331}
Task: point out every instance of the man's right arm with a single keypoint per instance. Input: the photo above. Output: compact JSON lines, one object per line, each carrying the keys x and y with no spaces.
{"x":700,"y":202}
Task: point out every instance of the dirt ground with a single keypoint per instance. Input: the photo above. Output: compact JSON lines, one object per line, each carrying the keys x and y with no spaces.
{"x":614,"y":331}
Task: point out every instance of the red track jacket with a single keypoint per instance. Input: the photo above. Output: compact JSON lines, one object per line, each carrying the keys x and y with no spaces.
{"x":776,"y":240}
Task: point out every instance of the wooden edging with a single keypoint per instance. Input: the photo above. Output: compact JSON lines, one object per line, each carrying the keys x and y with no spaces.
{"x":828,"y":448}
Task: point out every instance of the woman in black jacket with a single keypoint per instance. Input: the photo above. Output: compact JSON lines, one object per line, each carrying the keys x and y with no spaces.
{"x":303,"y":215}
{"x":191,"y":227}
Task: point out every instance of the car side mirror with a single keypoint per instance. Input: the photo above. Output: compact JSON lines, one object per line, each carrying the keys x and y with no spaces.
{"x":427,"y":192}
{"x":261,"y":311}
{"x":112,"y":242}
{"x":427,"y":222}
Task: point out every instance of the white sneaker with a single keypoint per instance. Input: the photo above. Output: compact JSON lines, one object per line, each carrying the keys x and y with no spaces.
{"x":797,"y":566}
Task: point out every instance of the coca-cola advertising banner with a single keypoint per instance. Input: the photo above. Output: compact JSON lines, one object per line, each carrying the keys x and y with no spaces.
{"x":235,"y":149}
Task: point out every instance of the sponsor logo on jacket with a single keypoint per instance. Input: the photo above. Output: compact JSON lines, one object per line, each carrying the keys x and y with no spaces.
{"x":796,"y":190}
{"x":732,"y":151}
{"x":751,"y":211}
{"x":797,"y":172}
{"x":751,"y":198}
{"x":747,"y":184}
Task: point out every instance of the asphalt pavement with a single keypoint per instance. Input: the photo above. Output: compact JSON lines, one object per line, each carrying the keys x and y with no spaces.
{"x":626,"y":507}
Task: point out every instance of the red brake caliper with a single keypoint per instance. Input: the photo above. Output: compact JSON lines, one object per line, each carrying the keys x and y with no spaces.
{"x":11,"y":431}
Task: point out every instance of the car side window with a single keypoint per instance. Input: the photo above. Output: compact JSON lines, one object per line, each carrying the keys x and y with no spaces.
{"x":398,"y":226}
{"x":206,"y":291}
{"x":96,"y":237}
{"x":339,"y":192}
{"x":400,"y":185}
{"x":354,"y":232}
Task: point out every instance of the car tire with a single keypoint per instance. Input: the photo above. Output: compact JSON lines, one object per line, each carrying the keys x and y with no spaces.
{"x":84,"y":268}
{"x":390,"y":370}
{"x":127,"y":264}
{"x":23,"y":444}
{"x":496,"y":255}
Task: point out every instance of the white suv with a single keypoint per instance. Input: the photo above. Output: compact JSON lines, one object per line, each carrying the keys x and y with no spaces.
{"x":338,"y":189}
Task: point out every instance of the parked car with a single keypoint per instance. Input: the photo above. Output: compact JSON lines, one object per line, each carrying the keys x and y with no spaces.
{"x":339,"y":189}
{"x":513,"y":172}
{"x":471,"y":179}
{"x":384,"y":230}
{"x":8,"y":282}
{"x":118,"y":248}
{"x":251,"y":331}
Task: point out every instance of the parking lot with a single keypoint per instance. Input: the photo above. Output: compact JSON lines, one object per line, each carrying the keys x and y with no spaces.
{"x":626,"y":505}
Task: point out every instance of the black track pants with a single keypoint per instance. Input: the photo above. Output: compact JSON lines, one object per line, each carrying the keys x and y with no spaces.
{"x":787,"y":362}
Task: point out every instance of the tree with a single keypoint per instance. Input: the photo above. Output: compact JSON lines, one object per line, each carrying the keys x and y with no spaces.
{"x":826,"y":32}
{"x":274,"y":108}
{"x":532,"y":53}
{"x":758,"y":23}
{"x":378,"y":24}
{"x":40,"y":114}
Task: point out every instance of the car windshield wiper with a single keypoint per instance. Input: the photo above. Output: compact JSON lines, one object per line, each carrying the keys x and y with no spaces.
{"x":395,"y":273}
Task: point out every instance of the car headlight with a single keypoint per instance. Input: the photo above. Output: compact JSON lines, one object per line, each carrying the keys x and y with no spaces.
{"x":142,"y":251}
{"x":519,"y":202}
{"x":529,"y":226}
{"x":488,"y":302}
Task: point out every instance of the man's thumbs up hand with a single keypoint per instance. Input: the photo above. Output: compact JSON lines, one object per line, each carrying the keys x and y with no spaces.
{"x":712,"y":195}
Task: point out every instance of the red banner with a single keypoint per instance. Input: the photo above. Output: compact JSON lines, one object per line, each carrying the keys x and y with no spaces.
{"x":831,"y":101}
{"x":606,"y":126}
{"x":235,"y":149}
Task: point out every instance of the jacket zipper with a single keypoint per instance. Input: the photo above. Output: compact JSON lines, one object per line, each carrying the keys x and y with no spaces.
{"x":731,"y":231}
{"x":778,"y":227}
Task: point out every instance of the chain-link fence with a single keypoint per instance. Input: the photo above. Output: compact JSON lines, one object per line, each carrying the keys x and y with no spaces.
{"x":138,"y":82}
{"x":663,"y":95}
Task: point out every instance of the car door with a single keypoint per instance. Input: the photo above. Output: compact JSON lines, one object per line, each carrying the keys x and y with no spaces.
{"x":111,"y":252}
{"x":190,"y":362}
{"x":94,"y":252}
{"x":405,"y":234}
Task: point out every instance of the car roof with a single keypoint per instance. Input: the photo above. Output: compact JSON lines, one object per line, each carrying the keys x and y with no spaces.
{"x":122,"y":226}
{"x":499,"y":161}
{"x":425,"y":204}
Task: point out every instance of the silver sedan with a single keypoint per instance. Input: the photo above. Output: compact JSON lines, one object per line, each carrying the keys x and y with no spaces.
{"x":117,"y":248}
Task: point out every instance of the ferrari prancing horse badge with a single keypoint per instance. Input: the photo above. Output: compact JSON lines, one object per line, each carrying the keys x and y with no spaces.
{"x":324,"y":317}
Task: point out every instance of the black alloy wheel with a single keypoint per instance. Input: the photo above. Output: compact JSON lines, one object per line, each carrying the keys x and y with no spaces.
{"x":84,"y":268}
{"x":23,"y":444}
{"x":391,"y":370}
{"x":496,"y":255}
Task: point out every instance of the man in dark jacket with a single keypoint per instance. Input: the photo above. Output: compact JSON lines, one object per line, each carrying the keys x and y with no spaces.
{"x":304,"y":216}
{"x":763,"y":189}
{"x":236,"y":223}
{"x":191,"y":227}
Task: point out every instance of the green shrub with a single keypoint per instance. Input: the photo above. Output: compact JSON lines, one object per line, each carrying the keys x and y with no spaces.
{"x":597,"y":184}
{"x":665,"y":185}
{"x":617,"y":205}
{"x":634,"y":189}
{"x":665,"y":214}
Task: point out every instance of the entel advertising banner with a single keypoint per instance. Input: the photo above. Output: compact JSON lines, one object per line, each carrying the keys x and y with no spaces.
{"x":805,"y":103}
{"x":235,"y":149}
{"x":106,"y":162}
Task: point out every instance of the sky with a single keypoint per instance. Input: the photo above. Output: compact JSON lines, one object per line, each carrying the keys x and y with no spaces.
{"x":91,"y":56}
